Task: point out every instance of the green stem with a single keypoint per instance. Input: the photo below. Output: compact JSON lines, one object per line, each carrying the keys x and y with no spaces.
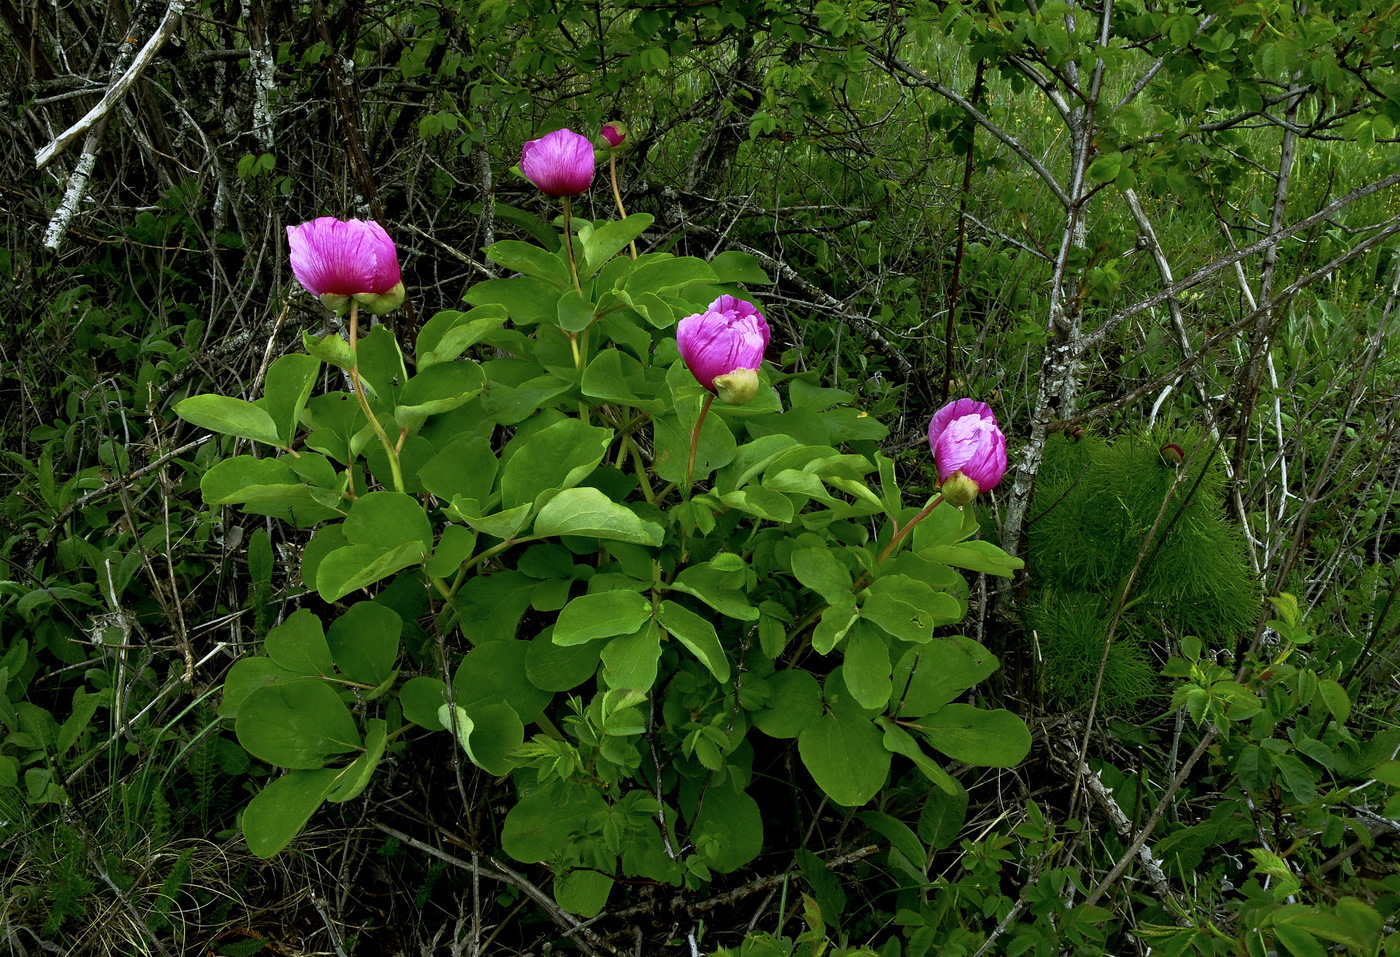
{"x":359,"y":390}
{"x":902,"y":533}
{"x":640,"y":467}
{"x":695,"y":443}
{"x":569,"y":243}
{"x":899,"y":535}
{"x":617,"y":195}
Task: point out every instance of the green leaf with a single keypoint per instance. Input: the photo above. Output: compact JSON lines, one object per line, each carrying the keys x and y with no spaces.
{"x":495,"y":672}
{"x":286,"y":390}
{"x":720,"y":588}
{"x":352,"y":779}
{"x":907,"y":608}
{"x":736,"y":266}
{"x":502,"y":525}
{"x":942,"y":818}
{"x":488,"y":733}
{"x":609,"y":239}
{"x":899,"y":835}
{"x":466,"y":467}
{"x":299,"y":645}
{"x":558,"y":457}
{"x":587,"y":511}
{"x":629,"y":661}
{"x":454,"y":547}
{"x":575,"y":314}
{"x":381,"y":364}
{"x":582,"y":892}
{"x":527,"y":258}
{"x":732,"y":822}
{"x":1106,"y":168}
{"x":280,"y":810}
{"x":795,"y":703}
{"x":420,"y":698}
{"x":387,"y":519}
{"x":672,"y":433}
{"x":244,"y":478}
{"x":835,"y":622}
{"x":365,"y":642}
{"x":867,"y":666}
{"x":528,"y":300}
{"x":899,"y":741}
{"x":230,"y":416}
{"x":296,"y":726}
{"x":1299,"y":942}
{"x":330,"y":349}
{"x":819,"y":570}
{"x":359,"y":566}
{"x":698,"y":635}
{"x":451,"y":332}
{"x":601,"y":615}
{"x":439,"y":388}
{"x":249,"y":674}
{"x":666,"y":274}
{"x":997,"y":739}
{"x":1335,"y":697}
{"x":542,"y":825}
{"x":977,"y":556}
{"x":845,"y":755}
{"x":761,"y":502}
{"x":929,"y":677}
{"x":558,"y":667}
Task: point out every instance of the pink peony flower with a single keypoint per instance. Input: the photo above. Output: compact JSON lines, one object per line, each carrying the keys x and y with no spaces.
{"x":615,"y":133}
{"x":969,"y":449}
{"x":558,"y":163}
{"x":723,"y":347}
{"x":339,"y":260}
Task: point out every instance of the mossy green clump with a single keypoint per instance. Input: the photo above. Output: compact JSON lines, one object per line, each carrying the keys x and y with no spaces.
{"x":1095,"y":508}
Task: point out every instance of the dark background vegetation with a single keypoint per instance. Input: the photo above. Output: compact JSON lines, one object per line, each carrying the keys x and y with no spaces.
{"x":1131,"y":224}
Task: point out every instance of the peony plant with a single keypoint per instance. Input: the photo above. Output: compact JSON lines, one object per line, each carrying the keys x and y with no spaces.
{"x":641,"y":604}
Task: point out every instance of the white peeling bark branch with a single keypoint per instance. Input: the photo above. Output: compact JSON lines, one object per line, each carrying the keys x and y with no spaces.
{"x":1058,"y":387}
{"x":77,"y":188}
{"x":1224,"y":262}
{"x":117,"y":89}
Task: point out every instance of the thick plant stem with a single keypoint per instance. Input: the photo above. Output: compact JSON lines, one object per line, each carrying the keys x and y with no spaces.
{"x":359,"y":388}
{"x":569,"y":244}
{"x":695,"y":442}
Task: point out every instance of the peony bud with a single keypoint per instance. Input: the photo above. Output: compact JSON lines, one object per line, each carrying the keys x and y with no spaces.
{"x":340,"y":260}
{"x":558,"y":163}
{"x":725,"y":340}
{"x":615,"y":132}
{"x":969,"y":450}
{"x":1172,"y":455}
{"x":737,"y":387}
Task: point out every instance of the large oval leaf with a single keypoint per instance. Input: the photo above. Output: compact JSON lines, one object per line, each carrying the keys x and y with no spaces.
{"x":296,"y":726}
{"x":846,"y":756}
{"x":996,"y":739}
